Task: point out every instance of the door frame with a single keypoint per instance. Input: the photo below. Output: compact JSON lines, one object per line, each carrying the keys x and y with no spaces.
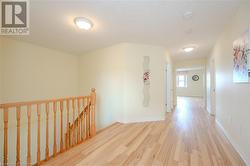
{"x":212,"y":88}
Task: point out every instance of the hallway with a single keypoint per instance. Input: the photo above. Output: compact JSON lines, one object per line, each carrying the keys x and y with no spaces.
{"x":188,"y":136}
{"x":100,"y":88}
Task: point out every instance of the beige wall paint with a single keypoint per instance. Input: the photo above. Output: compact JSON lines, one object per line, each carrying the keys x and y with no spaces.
{"x":116,"y":72}
{"x":30,"y":72}
{"x":1,"y":70}
{"x":169,"y":89}
{"x":194,"y":63}
{"x":210,"y":88}
{"x":232,"y":99}
{"x":134,"y":111}
{"x":194,"y":88}
{"x":1,"y":93}
{"x":103,"y":69}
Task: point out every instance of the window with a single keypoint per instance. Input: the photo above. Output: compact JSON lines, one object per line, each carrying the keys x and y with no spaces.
{"x":182,"y":81}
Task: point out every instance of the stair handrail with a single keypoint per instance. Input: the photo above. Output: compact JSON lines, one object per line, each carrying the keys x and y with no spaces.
{"x":82,"y":106}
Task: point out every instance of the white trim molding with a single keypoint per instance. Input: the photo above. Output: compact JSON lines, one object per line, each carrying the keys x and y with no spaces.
{"x":144,"y":119}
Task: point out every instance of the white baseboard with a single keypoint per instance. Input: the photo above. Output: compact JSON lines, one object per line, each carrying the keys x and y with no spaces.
{"x":236,"y":147}
{"x":144,"y":119}
{"x":209,"y":111}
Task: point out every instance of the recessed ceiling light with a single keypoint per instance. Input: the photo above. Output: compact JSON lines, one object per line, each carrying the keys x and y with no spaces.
{"x":83,"y":23}
{"x":188,"y":15}
{"x":188,"y":49}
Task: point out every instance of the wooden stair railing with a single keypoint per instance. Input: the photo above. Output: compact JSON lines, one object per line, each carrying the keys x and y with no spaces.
{"x":81,"y":125}
{"x":81,"y":128}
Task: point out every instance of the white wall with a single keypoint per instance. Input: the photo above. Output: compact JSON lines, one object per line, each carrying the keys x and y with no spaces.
{"x":31,"y":72}
{"x":190,"y":64}
{"x":103,"y":69}
{"x":1,"y":70}
{"x":232,"y":99}
{"x":134,"y":111}
{"x":1,"y":90}
{"x":169,"y":91}
{"x":194,"y":88}
{"x":210,"y":88}
{"x":117,"y":72}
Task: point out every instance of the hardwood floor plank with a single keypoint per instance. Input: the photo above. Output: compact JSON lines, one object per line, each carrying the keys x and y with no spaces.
{"x":187,"y":137}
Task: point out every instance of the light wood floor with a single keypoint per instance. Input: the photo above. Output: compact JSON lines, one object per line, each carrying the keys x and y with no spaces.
{"x":188,"y":136}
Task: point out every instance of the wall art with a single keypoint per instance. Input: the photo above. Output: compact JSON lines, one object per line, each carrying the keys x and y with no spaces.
{"x":146,"y":81}
{"x":241,"y":58}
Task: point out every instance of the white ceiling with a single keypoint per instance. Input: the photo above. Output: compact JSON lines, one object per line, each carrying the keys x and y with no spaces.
{"x":154,"y":22}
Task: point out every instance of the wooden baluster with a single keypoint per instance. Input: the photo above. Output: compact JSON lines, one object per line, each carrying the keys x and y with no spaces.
{"x":83,"y":122}
{"x":5,"y":159}
{"x":93,"y":104}
{"x":80,"y":126}
{"x":83,"y":126}
{"x":38,"y":133}
{"x":89,"y":107}
{"x":70,"y":136}
{"x":54,"y":110}
{"x":85,"y":116}
{"x":76,"y":129}
{"x":67,"y":144}
{"x":61,"y":142}
{"x":28,"y":137}
{"x":18,"y":116}
{"x":65,"y":139}
{"x":79,"y":131}
{"x":73,"y":122}
{"x":87,"y":119}
{"x":47,"y":132}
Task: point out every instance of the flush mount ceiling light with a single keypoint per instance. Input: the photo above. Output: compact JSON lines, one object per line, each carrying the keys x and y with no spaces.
{"x":188,"y":15}
{"x":83,"y":23}
{"x":188,"y":49}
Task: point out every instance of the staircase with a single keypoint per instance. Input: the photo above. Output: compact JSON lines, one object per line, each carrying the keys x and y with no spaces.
{"x":75,"y":128}
{"x":78,"y":128}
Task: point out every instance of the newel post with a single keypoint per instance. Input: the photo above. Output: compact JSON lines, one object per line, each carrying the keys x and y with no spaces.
{"x":93,"y":106}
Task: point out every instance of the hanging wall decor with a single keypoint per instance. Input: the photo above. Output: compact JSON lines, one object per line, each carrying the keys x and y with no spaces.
{"x":195,"y":77}
{"x":146,"y":81}
{"x":241,"y":58}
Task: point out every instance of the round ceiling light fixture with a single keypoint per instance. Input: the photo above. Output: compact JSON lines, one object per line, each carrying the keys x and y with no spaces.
{"x":83,"y":23}
{"x":188,"y":49}
{"x":188,"y":15}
